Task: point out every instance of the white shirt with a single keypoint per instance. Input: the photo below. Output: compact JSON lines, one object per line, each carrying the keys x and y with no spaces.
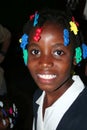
{"x":54,"y":113}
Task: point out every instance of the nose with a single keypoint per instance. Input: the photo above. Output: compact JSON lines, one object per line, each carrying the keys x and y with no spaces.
{"x":46,"y":62}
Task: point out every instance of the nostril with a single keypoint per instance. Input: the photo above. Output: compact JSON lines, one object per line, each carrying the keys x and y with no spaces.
{"x":46,"y":64}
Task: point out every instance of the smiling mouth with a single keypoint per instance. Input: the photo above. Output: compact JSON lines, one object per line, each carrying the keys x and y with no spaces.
{"x":47,"y":76}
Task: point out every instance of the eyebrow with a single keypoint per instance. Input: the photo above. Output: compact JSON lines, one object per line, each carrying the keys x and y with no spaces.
{"x":58,"y":45}
{"x":36,"y":45}
{"x":33,"y":44}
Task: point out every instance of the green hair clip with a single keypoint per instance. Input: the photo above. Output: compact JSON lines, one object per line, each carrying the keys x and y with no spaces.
{"x":78,"y":54}
{"x":25,"y":56}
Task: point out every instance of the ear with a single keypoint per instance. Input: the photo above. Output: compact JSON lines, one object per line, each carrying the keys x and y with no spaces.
{"x":74,"y":61}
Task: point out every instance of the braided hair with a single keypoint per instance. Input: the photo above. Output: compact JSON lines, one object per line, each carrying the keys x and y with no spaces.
{"x":63,"y":18}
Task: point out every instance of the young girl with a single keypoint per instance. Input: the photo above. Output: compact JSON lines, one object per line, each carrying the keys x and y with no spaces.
{"x":52,"y":46}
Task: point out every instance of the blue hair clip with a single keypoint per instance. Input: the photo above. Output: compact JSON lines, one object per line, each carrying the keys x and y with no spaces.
{"x":24,"y":41}
{"x":66,"y":37}
{"x":84,"y":48}
{"x":36,"y":19}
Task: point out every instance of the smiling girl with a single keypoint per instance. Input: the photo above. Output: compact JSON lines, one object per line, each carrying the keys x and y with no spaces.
{"x":52,"y":46}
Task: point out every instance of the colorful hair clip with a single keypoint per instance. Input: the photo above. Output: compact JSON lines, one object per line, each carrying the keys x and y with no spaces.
{"x":73,"y":19}
{"x":73,"y":26}
{"x":36,"y":19}
{"x":78,"y":54}
{"x":84,"y":48}
{"x":31,"y":17}
{"x":24,"y":41}
{"x":37,"y":35}
{"x":66,"y":37}
{"x":25,"y":56}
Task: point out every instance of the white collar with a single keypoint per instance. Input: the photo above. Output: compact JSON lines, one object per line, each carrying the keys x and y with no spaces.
{"x":75,"y":88}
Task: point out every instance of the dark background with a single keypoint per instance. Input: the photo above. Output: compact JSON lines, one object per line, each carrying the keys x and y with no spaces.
{"x":13,"y":15}
{"x":20,"y":85}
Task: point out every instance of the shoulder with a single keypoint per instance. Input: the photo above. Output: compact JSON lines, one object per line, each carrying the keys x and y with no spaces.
{"x":82,"y":98}
{"x":37,"y":94}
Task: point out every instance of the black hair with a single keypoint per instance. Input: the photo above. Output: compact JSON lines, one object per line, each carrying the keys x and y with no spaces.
{"x":60,"y":17}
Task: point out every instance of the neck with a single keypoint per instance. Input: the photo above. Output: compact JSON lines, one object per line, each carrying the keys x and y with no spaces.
{"x":51,"y":97}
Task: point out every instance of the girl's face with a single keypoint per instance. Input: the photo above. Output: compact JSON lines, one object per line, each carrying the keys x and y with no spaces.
{"x":49,"y":61}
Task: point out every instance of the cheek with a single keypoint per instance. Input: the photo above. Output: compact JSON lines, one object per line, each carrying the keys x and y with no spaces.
{"x":64,"y":66}
{"x":31,"y":65}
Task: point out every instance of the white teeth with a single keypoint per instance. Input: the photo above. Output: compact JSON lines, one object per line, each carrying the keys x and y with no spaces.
{"x":46,"y":76}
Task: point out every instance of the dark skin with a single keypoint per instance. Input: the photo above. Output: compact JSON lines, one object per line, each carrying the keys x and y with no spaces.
{"x":50,"y":62}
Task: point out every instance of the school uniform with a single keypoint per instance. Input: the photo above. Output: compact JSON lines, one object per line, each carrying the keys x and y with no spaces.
{"x":69,"y":112}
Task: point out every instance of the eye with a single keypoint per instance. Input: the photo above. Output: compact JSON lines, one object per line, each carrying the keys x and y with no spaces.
{"x":35,"y":52}
{"x":58,"y":52}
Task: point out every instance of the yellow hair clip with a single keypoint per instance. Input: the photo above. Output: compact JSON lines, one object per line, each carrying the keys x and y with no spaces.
{"x":73,"y":26}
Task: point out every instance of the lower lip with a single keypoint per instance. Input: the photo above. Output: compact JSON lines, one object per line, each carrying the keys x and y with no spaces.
{"x":46,"y":81}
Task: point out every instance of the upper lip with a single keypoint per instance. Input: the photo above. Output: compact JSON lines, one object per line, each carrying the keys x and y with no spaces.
{"x":42,"y":72}
{"x":46,"y":75}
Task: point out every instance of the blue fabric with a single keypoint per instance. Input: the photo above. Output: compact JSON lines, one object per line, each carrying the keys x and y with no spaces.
{"x":76,"y":116}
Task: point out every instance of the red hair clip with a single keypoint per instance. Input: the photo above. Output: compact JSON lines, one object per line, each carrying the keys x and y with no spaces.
{"x":31,"y":17}
{"x":37,"y":35}
{"x":73,"y":19}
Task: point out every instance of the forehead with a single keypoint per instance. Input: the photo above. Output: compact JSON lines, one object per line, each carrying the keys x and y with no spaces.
{"x":48,"y":29}
{"x":53,"y":27}
{"x":51,"y":35}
